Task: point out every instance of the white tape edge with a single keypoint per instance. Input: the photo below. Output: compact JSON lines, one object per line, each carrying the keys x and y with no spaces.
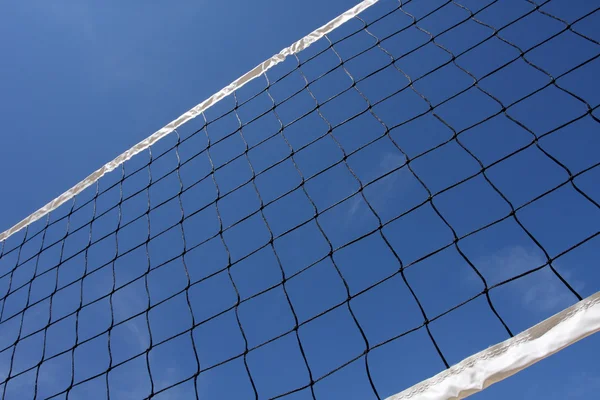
{"x":191,"y":114}
{"x":505,"y":359}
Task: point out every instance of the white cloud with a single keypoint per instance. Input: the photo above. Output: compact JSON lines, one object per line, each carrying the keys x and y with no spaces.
{"x":391,"y":160}
{"x":355,"y":205}
{"x":541,"y":291}
{"x":380,"y":198}
{"x":129,"y":303}
{"x":582,"y":386}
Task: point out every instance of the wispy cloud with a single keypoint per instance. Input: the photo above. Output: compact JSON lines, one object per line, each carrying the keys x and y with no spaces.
{"x":355,"y":205}
{"x":582,"y":386}
{"x":381,"y":191}
{"x":128,"y":303}
{"x":541,"y":291}
{"x":164,"y":372}
{"x":390,"y":160}
{"x":572,"y":385}
{"x":548,"y":293}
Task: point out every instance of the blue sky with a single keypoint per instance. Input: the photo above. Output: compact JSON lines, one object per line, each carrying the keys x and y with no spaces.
{"x":98,"y":79}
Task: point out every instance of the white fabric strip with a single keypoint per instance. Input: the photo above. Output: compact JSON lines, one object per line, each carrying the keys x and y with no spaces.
{"x":191,"y":114}
{"x":505,"y":359}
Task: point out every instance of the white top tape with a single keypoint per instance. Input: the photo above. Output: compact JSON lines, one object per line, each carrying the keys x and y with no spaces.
{"x":191,"y":114}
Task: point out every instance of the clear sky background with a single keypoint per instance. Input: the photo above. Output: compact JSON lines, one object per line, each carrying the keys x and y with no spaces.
{"x":85,"y":82}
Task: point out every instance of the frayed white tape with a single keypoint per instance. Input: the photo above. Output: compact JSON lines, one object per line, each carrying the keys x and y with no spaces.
{"x":505,"y":359}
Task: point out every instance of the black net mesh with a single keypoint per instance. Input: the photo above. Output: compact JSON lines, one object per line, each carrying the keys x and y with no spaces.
{"x":416,"y":186}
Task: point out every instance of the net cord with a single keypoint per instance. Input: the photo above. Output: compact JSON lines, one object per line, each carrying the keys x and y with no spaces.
{"x":256,"y":72}
{"x":505,"y":359}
